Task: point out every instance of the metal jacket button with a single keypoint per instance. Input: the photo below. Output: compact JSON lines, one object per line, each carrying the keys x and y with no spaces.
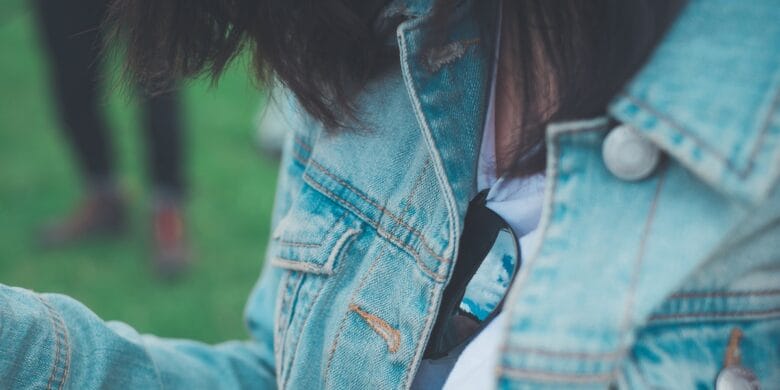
{"x":736,"y":378}
{"x":628,"y":155}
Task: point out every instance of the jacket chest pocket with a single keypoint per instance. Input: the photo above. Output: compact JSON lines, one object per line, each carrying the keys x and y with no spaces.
{"x":310,"y":244}
{"x":712,"y":339}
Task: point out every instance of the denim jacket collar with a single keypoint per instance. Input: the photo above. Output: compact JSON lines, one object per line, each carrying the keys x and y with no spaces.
{"x":715,"y":111}
{"x":446,"y":85}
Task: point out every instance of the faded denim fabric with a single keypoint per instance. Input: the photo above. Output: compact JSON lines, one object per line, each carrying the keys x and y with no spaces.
{"x":639,"y":284}
{"x":635,"y":284}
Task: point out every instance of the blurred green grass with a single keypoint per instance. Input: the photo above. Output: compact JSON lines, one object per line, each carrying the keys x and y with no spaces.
{"x":229,"y":205}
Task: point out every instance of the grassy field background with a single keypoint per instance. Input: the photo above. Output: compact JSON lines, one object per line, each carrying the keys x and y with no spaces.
{"x":229,"y":206}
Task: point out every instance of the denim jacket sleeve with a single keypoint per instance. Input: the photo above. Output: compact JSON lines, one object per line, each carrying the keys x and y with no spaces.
{"x":52,"y":341}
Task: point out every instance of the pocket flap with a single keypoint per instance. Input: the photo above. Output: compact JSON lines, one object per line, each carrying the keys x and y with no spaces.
{"x":313,"y":233}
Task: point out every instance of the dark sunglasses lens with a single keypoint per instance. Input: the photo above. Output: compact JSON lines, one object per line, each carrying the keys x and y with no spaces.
{"x":483,"y":292}
{"x":487,"y":288}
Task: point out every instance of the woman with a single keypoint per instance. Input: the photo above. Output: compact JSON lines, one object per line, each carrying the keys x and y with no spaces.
{"x":419,"y":144}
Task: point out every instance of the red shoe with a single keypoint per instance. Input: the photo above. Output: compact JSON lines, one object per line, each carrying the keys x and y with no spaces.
{"x":171,"y":253}
{"x":99,"y":215}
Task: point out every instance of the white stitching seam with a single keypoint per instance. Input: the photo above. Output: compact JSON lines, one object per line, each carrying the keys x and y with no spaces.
{"x":306,"y":266}
{"x":452,"y":223}
{"x":544,"y":376}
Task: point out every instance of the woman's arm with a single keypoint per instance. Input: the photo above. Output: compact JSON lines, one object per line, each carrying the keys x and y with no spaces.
{"x":52,"y":341}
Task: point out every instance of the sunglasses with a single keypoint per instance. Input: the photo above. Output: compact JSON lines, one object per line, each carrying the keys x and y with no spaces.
{"x":488,"y":260}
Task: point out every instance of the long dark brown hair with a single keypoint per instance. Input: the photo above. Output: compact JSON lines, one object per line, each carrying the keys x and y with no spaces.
{"x":325,"y":50}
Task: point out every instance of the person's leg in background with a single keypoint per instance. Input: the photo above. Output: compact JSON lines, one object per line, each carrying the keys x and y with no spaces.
{"x":70,"y":31}
{"x":72,"y":37}
{"x":163,"y":134}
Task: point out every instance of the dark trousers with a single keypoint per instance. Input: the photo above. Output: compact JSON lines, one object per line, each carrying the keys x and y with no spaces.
{"x":71,"y":33}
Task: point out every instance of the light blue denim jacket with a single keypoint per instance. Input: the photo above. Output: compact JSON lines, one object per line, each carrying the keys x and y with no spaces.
{"x":636,"y":283}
